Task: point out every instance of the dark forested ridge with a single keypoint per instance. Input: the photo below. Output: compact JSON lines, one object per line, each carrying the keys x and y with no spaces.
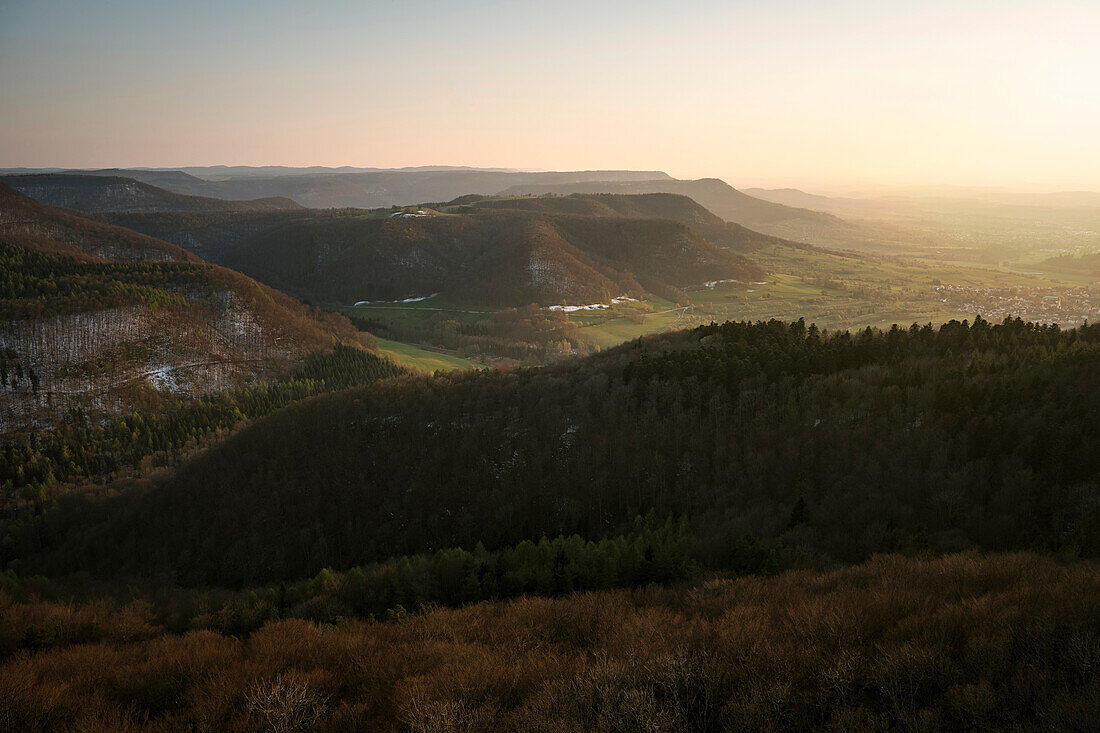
{"x":28,"y":223}
{"x":103,"y":319}
{"x":212,"y":235}
{"x":789,"y":222}
{"x":781,"y":445}
{"x":572,"y":250}
{"x":673,"y":207}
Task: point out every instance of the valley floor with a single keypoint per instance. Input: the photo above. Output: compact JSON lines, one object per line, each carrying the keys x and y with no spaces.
{"x":835,"y":290}
{"x":958,"y":642}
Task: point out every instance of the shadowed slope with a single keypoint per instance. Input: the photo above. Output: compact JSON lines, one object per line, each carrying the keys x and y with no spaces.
{"x":781,"y":446}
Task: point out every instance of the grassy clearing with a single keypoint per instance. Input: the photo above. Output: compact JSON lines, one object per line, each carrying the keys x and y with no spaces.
{"x":415,"y":357}
{"x":615,"y":331}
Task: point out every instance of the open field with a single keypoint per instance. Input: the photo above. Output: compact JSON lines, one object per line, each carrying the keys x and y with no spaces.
{"x":838,"y":290}
{"x":422,"y":359}
{"x":835,"y":290}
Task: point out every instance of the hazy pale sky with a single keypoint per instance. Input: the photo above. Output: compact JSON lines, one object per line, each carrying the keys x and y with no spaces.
{"x":760,"y":92}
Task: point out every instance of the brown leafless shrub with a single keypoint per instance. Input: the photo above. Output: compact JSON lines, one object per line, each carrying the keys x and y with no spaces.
{"x":285,"y":703}
{"x":963,"y":641}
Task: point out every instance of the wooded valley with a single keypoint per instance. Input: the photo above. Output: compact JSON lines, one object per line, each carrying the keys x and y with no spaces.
{"x":223,"y":509}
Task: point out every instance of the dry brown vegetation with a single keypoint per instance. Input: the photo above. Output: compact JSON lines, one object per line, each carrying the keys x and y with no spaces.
{"x":959,"y":642}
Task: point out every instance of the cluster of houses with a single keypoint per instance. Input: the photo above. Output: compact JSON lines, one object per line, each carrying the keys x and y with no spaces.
{"x":1064,"y":306}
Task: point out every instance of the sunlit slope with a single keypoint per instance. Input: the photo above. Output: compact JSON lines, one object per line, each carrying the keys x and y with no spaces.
{"x":421,"y":359}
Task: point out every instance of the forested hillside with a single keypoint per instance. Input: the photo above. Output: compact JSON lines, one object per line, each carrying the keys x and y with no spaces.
{"x":212,"y":235}
{"x":96,"y":194}
{"x":83,"y":454}
{"x":104,"y":319}
{"x":532,"y":251}
{"x":780,"y":445}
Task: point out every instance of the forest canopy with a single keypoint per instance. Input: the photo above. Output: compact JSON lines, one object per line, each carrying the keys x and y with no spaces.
{"x":781,"y":445}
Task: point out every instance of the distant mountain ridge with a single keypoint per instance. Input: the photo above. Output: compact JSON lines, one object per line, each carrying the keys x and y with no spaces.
{"x":355,"y":188}
{"x":319,"y":187}
{"x":97,"y":194}
{"x":793,"y":197}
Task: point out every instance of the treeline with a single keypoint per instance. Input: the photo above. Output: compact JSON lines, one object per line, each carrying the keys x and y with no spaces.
{"x":782,"y":445}
{"x":652,"y":552}
{"x":81,"y":450}
{"x":729,"y":353}
{"x":35,"y":285}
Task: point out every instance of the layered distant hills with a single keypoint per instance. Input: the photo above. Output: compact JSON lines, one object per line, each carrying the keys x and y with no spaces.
{"x":991,"y":224}
{"x":548,"y":249}
{"x":324,"y":188}
{"x":317,"y":187}
{"x":101,"y":318}
{"x":95,"y":194}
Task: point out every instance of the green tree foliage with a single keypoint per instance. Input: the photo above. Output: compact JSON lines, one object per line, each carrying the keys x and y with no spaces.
{"x":34,"y":284}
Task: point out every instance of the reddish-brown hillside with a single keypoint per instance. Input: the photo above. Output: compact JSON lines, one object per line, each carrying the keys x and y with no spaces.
{"x":102,"y":318}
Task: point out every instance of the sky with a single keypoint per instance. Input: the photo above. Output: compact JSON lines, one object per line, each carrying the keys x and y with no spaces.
{"x":806,"y":93}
